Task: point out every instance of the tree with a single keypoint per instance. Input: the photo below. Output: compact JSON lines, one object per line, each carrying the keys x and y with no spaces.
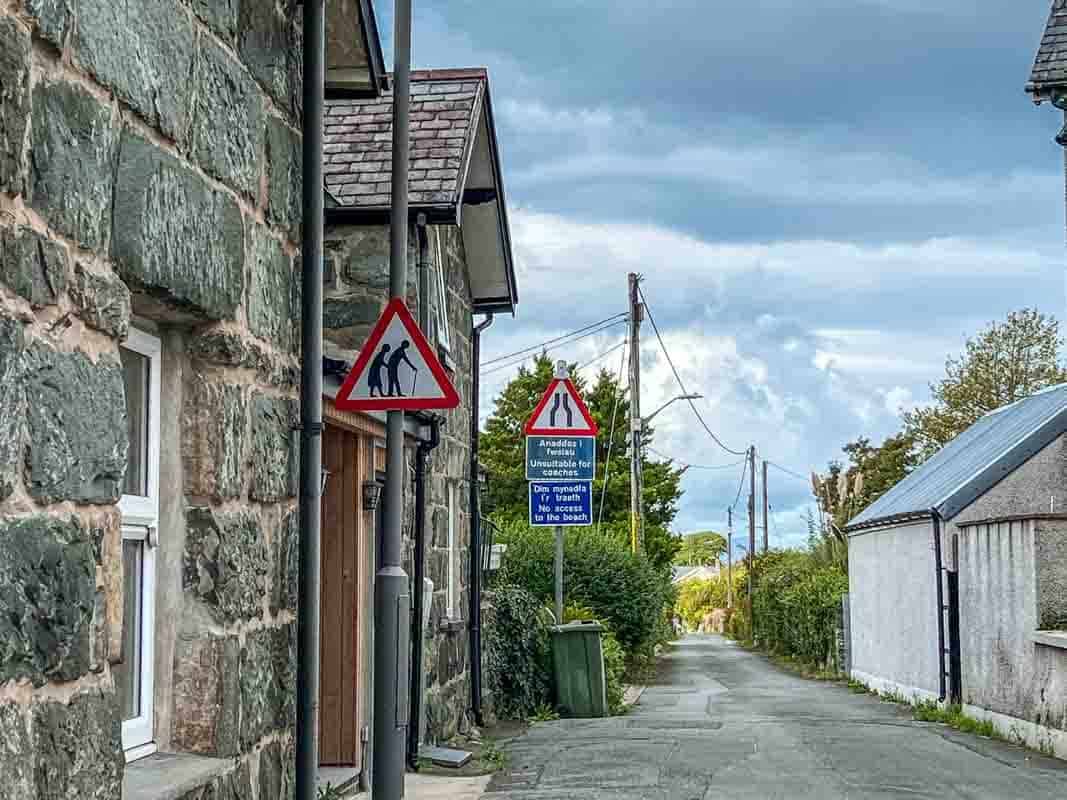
{"x":701,"y":549}
{"x":1004,"y":363}
{"x":502,"y":452}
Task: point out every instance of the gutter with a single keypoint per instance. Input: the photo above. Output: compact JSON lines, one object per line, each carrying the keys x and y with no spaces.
{"x":475,"y":557}
{"x":422,"y":454}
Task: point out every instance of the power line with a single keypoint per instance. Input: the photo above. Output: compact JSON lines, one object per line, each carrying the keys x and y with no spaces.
{"x":681,"y":384}
{"x":741,"y":484}
{"x":694,"y":466}
{"x":789,"y":472}
{"x":611,"y":441}
{"x":536,"y":347}
{"x":608,"y":352}
{"x":546,"y":349}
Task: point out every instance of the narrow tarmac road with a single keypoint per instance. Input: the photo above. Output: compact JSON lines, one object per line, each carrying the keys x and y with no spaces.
{"x":724,"y":723}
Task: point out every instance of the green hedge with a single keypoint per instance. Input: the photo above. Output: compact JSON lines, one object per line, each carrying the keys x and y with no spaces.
{"x":796,"y":604}
{"x":622,"y":589}
{"x":518,"y":672}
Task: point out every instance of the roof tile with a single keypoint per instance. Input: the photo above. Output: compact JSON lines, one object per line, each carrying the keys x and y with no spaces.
{"x":1050,"y":64}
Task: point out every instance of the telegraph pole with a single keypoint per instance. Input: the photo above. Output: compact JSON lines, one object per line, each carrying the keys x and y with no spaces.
{"x":751,"y":531}
{"x":730,"y":557}
{"x":392,"y":601}
{"x":637,"y":533}
{"x":766,"y":533}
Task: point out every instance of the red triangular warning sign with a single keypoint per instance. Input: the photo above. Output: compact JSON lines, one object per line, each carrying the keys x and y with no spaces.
{"x":561,"y":412}
{"x":396,"y":369}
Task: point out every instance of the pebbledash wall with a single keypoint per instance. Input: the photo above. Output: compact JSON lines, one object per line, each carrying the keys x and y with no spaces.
{"x":357,"y":282}
{"x":149,"y":200}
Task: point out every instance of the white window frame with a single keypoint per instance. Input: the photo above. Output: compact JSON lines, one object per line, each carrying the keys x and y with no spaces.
{"x":440,"y":289}
{"x":140,"y":520}
{"x":451,"y":593}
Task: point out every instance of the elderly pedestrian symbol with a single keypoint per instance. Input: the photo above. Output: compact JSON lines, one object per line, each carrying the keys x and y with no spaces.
{"x":391,"y":365}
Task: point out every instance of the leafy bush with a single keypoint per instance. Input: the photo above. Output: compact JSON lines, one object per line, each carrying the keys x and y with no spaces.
{"x":517,"y":648}
{"x":796,"y":604}
{"x":698,"y":598}
{"x":620,"y":588}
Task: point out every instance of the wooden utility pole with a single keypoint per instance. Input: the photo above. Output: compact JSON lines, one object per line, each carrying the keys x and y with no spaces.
{"x":730,"y":557}
{"x":637,"y":533}
{"x":766,"y":533}
{"x":751,"y":532}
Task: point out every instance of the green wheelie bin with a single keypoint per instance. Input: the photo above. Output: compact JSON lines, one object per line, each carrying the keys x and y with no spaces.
{"x":578,"y":658}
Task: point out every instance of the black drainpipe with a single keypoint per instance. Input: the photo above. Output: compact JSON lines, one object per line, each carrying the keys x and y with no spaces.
{"x":422,"y":454}
{"x":940,"y":606}
{"x":476,"y":530}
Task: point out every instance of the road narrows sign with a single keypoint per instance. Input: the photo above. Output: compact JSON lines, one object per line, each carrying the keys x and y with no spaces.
{"x":396,"y":370}
{"x":561,"y":412}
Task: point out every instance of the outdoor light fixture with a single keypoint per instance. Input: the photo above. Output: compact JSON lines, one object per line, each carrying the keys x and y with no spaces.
{"x":325,"y":478}
{"x":372,"y":493}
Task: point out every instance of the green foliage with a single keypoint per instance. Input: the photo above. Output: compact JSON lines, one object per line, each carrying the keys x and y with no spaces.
{"x":518,"y":651}
{"x":329,"y":792}
{"x":1004,"y":363}
{"x":544,"y":713}
{"x":698,"y":598}
{"x":622,"y":589}
{"x":701,"y":549}
{"x":502,"y":451}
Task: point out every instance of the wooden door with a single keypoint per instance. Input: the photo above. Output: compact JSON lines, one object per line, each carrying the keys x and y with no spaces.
{"x":340,"y":612}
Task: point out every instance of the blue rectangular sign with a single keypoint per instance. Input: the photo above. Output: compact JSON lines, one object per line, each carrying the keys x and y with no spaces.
{"x":560,"y":458}
{"x":561,"y":503}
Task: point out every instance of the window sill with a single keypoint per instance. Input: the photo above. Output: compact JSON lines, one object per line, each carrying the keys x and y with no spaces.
{"x":451,"y":625}
{"x":169,"y":776}
{"x":1051,"y":638}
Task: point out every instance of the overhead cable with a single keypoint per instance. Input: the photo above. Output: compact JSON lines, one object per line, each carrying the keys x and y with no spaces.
{"x":681,"y":384}
{"x":694,"y":466}
{"x":536,"y":347}
{"x":549,"y":348}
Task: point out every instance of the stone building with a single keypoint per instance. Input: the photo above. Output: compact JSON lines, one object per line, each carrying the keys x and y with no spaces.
{"x":460,"y":264}
{"x":958,"y":576}
{"x":149,"y":231}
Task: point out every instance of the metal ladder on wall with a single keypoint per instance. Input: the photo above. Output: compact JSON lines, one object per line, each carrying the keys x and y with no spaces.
{"x":950,"y":619}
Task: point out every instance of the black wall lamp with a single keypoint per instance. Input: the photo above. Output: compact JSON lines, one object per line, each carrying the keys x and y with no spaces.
{"x":372,"y":495}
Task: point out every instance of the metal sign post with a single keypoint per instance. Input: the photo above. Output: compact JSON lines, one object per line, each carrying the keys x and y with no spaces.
{"x":560,"y":465}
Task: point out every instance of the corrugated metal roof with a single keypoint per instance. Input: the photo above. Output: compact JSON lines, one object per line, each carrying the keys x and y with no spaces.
{"x":976,"y":460}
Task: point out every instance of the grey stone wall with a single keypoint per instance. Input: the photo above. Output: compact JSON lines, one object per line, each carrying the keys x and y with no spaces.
{"x":357,"y":288}
{"x":149,"y":176}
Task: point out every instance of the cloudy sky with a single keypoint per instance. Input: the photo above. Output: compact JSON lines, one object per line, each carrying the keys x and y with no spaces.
{"x":825,"y":198}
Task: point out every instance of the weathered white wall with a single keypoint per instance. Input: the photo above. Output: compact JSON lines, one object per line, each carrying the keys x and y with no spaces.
{"x":1004,"y":670}
{"x":894,"y":609}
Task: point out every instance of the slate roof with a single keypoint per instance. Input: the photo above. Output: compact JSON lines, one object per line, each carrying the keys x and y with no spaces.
{"x":975,"y":461}
{"x":1050,"y":67}
{"x":359,"y":148}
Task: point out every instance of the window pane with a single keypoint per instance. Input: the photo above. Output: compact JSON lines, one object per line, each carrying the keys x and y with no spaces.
{"x":128,"y":673}
{"x":135,"y":369}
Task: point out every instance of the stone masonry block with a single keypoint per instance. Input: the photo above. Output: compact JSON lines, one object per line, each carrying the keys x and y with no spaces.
{"x":273,"y":420}
{"x":268,"y":683}
{"x":103,"y":301}
{"x":264,"y":41}
{"x":228,"y":126}
{"x":76,"y":414}
{"x":47,"y":588}
{"x":367,"y":264}
{"x":286,"y":565}
{"x":79,"y":749}
{"x":270,"y":291}
{"x":284,"y":176}
{"x":226,"y":563}
{"x":16,"y":753}
{"x":175,"y":237}
{"x":31,"y":266}
{"x":14,"y":101}
{"x":144,"y":53}
{"x":214,"y":436}
{"x":206,"y":695}
{"x":271,"y":774}
{"x":219,"y":15}
{"x":12,"y":402}
{"x":53,"y":18}
{"x":72,"y":161}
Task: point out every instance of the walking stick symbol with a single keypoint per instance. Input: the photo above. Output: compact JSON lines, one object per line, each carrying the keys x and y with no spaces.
{"x":414,"y":381}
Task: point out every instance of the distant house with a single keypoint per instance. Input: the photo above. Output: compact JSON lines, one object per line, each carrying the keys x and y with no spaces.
{"x":681,"y":575}
{"x":959,"y":575}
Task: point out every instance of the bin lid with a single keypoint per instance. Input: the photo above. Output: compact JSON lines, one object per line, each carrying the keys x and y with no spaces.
{"x":579,"y":626}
